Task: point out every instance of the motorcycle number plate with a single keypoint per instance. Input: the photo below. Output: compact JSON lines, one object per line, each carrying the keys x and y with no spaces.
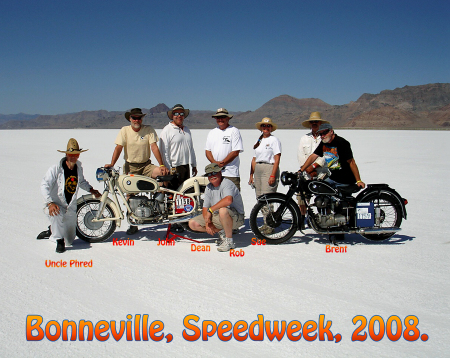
{"x":183,"y":204}
{"x":365,"y":215}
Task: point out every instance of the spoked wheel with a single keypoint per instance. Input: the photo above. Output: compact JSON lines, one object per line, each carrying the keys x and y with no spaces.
{"x":269,"y":223}
{"x":90,"y":231}
{"x":185,"y":225}
{"x":390,"y":214}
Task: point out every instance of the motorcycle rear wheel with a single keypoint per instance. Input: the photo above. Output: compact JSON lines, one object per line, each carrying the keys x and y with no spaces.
{"x":391,"y":214}
{"x":274,"y":232}
{"x":94,"y":231}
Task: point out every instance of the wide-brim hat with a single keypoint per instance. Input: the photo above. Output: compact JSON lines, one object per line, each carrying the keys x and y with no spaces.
{"x":222,"y":112}
{"x":178,"y":107}
{"x":212,"y":167}
{"x":134,"y":112}
{"x":72,"y":147}
{"x":266,"y":120}
{"x":315,"y":116}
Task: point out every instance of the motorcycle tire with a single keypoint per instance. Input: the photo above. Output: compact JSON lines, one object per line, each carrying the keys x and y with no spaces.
{"x":265,"y":228}
{"x":94,"y":231}
{"x":190,"y":190}
{"x":391,"y":214}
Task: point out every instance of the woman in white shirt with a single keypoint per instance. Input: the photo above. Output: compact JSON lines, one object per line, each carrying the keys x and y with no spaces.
{"x":264,"y":171}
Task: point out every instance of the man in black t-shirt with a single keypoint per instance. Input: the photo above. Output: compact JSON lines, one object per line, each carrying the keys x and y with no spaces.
{"x":338,"y":156}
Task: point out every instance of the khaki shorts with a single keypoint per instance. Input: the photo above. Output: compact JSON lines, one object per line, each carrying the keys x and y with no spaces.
{"x":238,"y":219}
{"x":146,"y":168}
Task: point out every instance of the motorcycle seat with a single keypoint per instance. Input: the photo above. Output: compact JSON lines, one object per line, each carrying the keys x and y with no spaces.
{"x":350,"y":189}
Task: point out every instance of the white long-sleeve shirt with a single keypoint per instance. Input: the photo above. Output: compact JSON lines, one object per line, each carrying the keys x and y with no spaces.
{"x":307,"y":146}
{"x":176,"y":147}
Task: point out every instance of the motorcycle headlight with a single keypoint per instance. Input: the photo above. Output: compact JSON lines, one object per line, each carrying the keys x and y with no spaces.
{"x":287,"y":178}
{"x":101,"y":174}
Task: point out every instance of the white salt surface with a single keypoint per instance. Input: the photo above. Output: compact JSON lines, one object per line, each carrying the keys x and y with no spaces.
{"x":406,"y":275}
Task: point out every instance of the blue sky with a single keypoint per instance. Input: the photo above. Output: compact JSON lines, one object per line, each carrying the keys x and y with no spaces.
{"x":68,"y":56}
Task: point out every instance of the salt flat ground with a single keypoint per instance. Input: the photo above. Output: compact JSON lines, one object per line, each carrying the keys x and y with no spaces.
{"x":406,"y":275}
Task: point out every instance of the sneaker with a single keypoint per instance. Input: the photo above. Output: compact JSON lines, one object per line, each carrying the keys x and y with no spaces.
{"x":132,"y":230}
{"x":336,"y":237}
{"x":177,"y":228}
{"x":226,"y":245}
{"x":266,"y":230}
{"x":44,"y":234}
{"x":221,"y":237}
{"x":60,"y":246}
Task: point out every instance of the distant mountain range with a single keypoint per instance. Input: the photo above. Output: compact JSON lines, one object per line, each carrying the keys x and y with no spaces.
{"x":409,"y":107}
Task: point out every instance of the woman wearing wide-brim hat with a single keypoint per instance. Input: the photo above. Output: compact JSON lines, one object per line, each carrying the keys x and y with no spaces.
{"x":264,"y":170}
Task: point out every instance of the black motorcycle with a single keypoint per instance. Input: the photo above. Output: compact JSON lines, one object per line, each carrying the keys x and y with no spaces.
{"x":376,"y":212}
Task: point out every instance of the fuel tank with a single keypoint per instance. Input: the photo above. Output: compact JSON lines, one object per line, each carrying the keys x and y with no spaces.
{"x":132,"y":184}
{"x":320,"y":187}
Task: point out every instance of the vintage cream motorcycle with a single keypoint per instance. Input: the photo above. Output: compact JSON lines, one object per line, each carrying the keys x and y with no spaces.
{"x":145,"y":203}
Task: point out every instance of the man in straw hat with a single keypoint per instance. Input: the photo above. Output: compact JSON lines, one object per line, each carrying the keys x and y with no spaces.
{"x":59,"y":188}
{"x":308,"y":143}
{"x":175,"y":144}
{"x":223,"y":145}
{"x":223,"y":208}
{"x":139,"y":141}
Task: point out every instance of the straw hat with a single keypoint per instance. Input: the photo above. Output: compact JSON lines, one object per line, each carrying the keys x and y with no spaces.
{"x":315,"y":116}
{"x":222,"y":112}
{"x":266,"y":120}
{"x":135,"y":112}
{"x":72,"y":147}
{"x":175,"y":108}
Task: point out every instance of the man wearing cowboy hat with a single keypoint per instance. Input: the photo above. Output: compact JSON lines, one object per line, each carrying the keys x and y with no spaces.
{"x":59,"y":188}
{"x":175,"y":144}
{"x":139,"y":141}
{"x":308,"y":143}
{"x":223,"y":145}
{"x":223,"y":208}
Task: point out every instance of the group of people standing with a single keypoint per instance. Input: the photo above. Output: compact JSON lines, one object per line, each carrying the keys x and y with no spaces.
{"x":223,"y":209}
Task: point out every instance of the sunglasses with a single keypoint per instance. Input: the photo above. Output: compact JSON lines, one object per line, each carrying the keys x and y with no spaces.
{"x":136,"y":118}
{"x":266,"y":125}
{"x":212,"y":173}
{"x":325,"y":132}
{"x":314,"y":122}
{"x":178,"y":114}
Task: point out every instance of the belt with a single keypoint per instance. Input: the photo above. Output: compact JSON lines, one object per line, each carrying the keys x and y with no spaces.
{"x":138,"y":163}
{"x":264,"y":163}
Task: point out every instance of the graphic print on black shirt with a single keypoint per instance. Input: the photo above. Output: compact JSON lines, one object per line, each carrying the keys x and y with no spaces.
{"x":336,"y":155}
{"x":70,"y":181}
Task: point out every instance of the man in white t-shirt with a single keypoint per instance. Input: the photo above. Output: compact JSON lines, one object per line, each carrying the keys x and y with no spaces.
{"x":175,"y":144}
{"x":223,"y":145}
{"x":139,"y":141}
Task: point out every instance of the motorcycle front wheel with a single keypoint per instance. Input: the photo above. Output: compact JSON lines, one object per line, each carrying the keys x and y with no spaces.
{"x":390,"y":214}
{"x":90,"y":231}
{"x":266,"y":225}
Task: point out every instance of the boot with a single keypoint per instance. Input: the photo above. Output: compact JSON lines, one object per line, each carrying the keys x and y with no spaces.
{"x":44,"y":234}
{"x":132,"y":230}
{"x":60,"y":246}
